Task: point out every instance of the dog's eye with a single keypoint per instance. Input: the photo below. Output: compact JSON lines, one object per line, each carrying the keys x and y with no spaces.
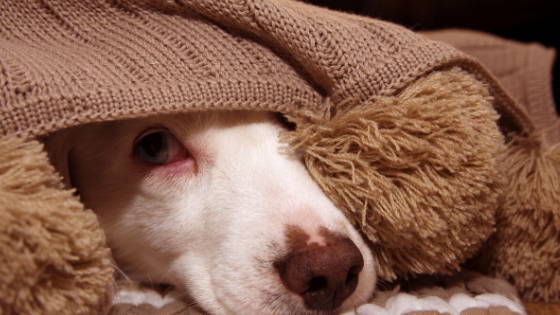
{"x":159,"y":147}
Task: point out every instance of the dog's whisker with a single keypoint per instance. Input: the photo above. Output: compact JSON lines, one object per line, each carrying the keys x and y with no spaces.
{"x":121,"y":275}
{"x":188,"y":300}
{"x":384,"y":284}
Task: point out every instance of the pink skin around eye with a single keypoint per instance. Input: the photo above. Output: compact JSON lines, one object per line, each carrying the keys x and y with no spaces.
{"x":180,"y":162}
{"x":181,"y":166}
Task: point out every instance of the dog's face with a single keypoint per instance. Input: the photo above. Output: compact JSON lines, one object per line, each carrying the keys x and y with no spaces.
{"x":213,"y":204}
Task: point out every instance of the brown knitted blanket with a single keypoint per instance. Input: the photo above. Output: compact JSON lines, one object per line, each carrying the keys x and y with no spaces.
{"x":525,"y":71}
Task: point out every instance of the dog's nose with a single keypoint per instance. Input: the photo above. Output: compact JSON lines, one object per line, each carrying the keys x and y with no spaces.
{"x":323,"y":275}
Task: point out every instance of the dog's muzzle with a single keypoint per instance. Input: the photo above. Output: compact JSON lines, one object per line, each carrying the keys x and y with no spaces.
{"x":324,"y":275}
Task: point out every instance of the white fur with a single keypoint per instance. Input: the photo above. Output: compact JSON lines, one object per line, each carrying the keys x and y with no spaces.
{"x":214,"y":232}
{"x":138,"y":297}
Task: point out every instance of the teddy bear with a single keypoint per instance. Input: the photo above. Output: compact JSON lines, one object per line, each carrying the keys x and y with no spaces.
{"x":439,"y":164}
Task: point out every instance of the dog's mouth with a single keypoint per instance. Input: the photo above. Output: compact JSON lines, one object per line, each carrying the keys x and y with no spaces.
{"x":306,"y":281}
{"x":170,"y":293}
{"x":307,"y":277}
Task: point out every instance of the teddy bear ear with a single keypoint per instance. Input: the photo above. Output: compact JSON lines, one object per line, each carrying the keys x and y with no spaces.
{"x":52,"y":251}
{"x":416,"y":172}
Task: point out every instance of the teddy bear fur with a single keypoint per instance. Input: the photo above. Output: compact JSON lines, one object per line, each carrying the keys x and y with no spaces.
{"x":441,"y":150}
{"x":431,"y":147}
{"x":53,"y":257}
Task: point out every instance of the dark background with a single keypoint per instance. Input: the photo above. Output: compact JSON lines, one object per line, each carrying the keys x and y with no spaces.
{"x":523,"y":20}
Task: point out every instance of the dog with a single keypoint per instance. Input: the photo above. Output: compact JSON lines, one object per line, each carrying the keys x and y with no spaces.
{"x":215,"y":205}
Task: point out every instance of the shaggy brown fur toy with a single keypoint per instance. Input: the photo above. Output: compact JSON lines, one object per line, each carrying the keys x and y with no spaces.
{"x":431,"y":147}
{"x":53,"y":255}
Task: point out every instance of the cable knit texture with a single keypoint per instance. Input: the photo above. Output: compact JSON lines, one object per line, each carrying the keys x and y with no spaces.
{"x":69,"y":62}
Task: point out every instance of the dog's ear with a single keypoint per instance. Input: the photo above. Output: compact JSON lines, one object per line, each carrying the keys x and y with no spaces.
{"x":58,"y":147}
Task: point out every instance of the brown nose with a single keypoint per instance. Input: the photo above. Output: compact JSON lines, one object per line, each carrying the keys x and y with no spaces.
{"x":323,"y":275}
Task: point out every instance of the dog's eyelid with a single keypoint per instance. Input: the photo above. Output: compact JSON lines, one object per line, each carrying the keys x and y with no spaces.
{"x":157,"y":145}
{"x":150,"y":130}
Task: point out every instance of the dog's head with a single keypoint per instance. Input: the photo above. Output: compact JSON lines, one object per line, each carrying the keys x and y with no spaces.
{"x":213,"y":204}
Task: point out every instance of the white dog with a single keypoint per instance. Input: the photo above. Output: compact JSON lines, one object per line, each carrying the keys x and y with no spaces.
{"x":214,"y":205}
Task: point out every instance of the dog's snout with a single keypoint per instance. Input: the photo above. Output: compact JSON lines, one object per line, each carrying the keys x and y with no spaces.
{"x":323,"y":275}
